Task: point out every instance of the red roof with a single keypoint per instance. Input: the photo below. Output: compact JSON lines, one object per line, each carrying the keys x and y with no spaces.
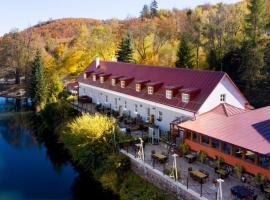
{"x":204,"y":80}
{"x":249,"y":129}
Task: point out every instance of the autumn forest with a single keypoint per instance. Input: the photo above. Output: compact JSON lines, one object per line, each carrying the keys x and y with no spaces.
{"x":232,"y":38}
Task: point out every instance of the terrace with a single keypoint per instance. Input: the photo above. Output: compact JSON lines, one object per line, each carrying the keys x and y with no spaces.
{"x":158,"y":154}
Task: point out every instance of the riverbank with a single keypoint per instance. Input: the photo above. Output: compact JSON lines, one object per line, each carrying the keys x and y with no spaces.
{"x":90,"y":143}
{"x":13,"y":91}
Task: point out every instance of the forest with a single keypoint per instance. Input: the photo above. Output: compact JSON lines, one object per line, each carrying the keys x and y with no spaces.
{"x":234,"y":38}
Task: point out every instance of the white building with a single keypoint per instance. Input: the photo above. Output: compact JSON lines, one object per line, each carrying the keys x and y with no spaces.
{"x":161,"y":94}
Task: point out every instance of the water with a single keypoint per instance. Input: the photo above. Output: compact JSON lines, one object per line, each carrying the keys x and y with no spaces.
{"x":30,"y":169}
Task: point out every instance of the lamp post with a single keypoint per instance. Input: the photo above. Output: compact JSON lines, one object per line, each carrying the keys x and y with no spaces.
{"x":219,"y":191}
{"x":141,"y":151}
{"x":174,"y":173}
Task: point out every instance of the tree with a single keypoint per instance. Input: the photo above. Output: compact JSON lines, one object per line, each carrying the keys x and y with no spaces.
{"x":125,"y":51}
{"x":154,"y":8}
{"x":252,"y":67}
{"x":145,"y":13}
{"x":184,"y":54}
{"x":37,"y":88}
{"x":255,"y":21}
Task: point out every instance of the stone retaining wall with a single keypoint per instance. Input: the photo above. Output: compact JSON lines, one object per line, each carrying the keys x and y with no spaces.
{"x":160,"y":180}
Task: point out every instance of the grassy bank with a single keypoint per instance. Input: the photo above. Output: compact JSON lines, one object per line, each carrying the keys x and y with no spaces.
{"x":90,"y":140}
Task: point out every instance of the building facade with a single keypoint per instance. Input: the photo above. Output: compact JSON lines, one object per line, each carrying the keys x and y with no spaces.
{"x":160,"y":94}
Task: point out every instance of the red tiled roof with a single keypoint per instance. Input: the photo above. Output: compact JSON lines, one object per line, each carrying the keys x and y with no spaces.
{"x":249,"y":129}
{"x":204,"y":80}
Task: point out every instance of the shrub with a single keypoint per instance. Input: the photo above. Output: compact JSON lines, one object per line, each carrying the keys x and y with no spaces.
{"x":184,"y":149}
{"x":260,"y":179}
{"x":219,"y":161}
{"x":238,"y":169}
{"x":202,"y":156}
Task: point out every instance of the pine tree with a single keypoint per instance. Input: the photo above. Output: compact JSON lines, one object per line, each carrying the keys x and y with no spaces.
{"x":125,"y":52}
{"x":37,"y":88}
{"x":154,"y":8}
{"x":184,"y":55}
{"x":252,"y":67}
{"x":255,"y":21}
{"x":145,"y":13}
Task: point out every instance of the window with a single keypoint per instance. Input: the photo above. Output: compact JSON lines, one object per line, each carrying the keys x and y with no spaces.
{"x":195,"y":137}
{"x":238,"y":152}
{"x":113,"y":82}
{"x":136,"y":108}
{"x":138,"y":87}
{"x":101,"y":79}
{"x":123,"y":84}
{"x":106,"y":99}
{"x":185,"y":98}
{"x":226,"y":148}
{"x":84,"y":90}
{"x":215,"y":144}
{"x":115,"y":102}
{"x":250,"y":156}
{"x":148,"y":112}
{"x":168,"y":94}
{"x":160,"y":116}
{"x":125,"y":105}
{"x":205,"y":140}
{"x":188,"y":135}
{"x":223,"y":97}
{"x":263,"y":161}
{"x":150,"y":90}
{"x":94,"y":77}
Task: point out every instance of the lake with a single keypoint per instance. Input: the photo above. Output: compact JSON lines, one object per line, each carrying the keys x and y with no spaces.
{"x":32,"y":168}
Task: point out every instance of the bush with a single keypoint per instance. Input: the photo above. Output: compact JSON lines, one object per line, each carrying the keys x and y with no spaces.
{"x":238,"y":169}
{"x":260,"y":179}
{"x":184,"y":149}
{"x":202,"y":156}
{"x":219,"y":161}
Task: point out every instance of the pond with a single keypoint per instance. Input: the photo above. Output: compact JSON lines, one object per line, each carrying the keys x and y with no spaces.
{"x":35,"y":169}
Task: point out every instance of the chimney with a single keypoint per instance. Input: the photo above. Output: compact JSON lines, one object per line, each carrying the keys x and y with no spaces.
{"x":85,"y":75}
{"x":97,"y":62}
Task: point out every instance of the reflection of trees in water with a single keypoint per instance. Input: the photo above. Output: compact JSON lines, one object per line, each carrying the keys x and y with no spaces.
{"x":16,"y":132}
{"x":86,"y":187}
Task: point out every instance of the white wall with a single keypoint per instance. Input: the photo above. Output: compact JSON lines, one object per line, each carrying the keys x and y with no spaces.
{"x":169,"y":114}
{"x":233,"y":96}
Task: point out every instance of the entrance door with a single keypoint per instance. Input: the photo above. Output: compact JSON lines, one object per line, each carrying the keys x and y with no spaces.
{"x":152,"y":119}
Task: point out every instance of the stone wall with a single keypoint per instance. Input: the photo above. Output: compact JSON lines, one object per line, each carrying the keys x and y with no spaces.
{"x":162,"y":181}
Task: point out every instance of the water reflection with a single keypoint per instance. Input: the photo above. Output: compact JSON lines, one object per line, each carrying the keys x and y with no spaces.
{"x":36,"y":167}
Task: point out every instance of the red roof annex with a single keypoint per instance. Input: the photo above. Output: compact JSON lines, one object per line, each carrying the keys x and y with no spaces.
{"x":249,"y":129}
{"x":201,"y":81}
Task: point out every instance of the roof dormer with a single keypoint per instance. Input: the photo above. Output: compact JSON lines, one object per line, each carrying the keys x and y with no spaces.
{"x":152,"y":87}
{"x":104,"y":77}
{"x":188,"y":94}
{"x":95,"y":76}
{"x":87,"y":74}
{"x":171,"y":91}
{"x":124,"y":81}
{"x":115,"y":80}
{"x":140,"y":84}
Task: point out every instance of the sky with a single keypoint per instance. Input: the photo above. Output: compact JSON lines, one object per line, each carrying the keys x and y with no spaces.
{"x":24,"y":13}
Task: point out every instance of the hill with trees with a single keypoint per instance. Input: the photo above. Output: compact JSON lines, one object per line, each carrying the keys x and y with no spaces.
{"x":213,"y":37}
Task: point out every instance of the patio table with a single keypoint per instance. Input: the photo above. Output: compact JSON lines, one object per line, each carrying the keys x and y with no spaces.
{"x":160,"y":156}
{"x":242,"y":192}
{"x":190,"y":157}
{"x":197,"y":175}
{"x":267,"y":190}
{"x":223,"y":173}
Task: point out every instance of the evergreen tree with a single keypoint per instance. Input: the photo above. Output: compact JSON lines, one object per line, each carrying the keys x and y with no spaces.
{"x":255,"y":21}
{"x":154,"y":8}
{"x":125,"y":52}
{"x":184,"y":54}
{"x":252,"y":66}
{"x":37,"y":88}
{"x":145,"y":13}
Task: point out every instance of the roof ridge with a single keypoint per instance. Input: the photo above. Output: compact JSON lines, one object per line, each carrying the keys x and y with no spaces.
{"x":166,"y":67}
